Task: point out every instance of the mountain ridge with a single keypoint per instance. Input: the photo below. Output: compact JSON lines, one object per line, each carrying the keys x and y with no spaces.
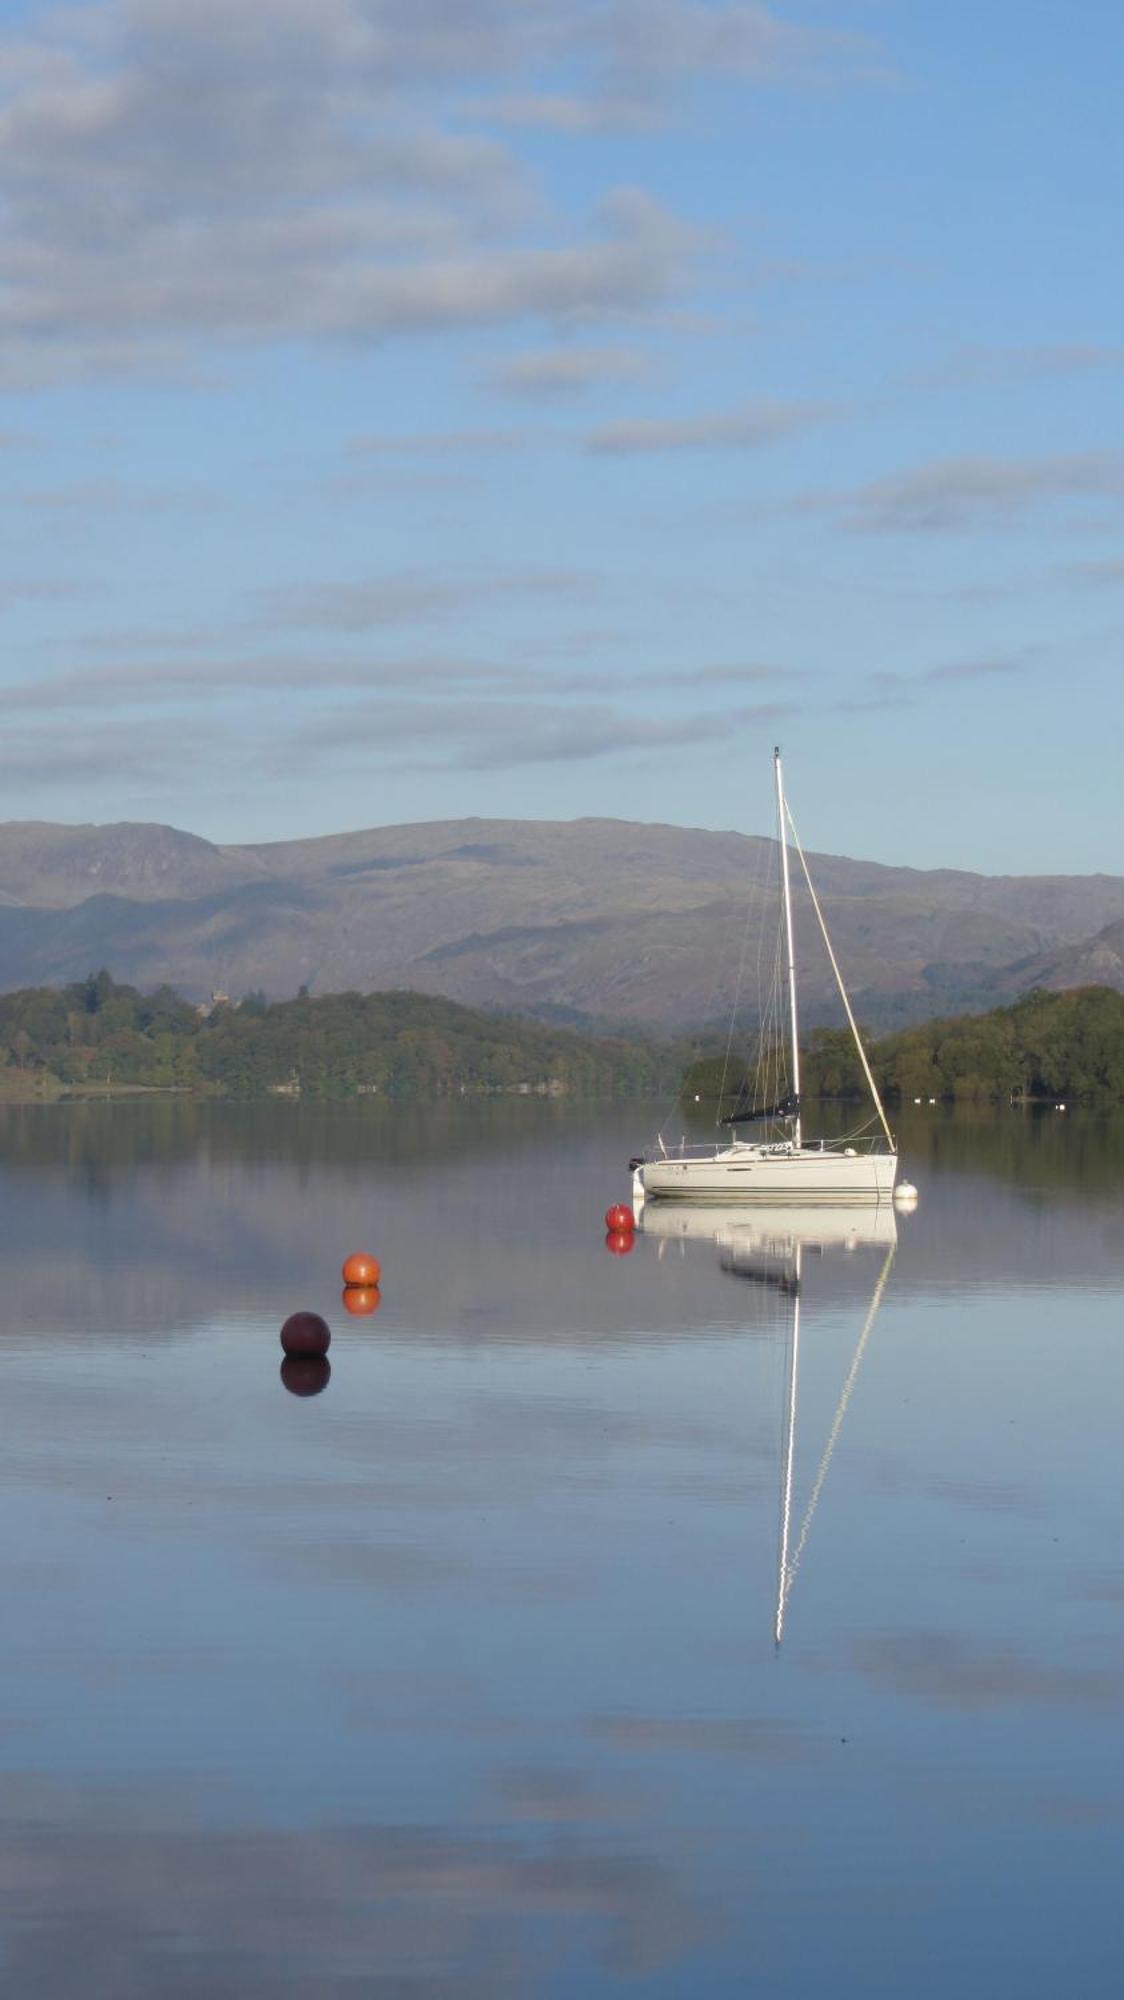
{"x":608,"y":920}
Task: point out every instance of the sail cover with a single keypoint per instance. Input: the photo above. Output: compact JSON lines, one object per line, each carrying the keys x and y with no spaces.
{"x":745,"y":1114}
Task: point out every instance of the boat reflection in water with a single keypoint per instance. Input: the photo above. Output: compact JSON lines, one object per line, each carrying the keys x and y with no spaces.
{"x":770,"y":1248}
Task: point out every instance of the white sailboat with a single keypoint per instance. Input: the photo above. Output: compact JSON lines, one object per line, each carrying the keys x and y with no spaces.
{"x":784,"y":1167}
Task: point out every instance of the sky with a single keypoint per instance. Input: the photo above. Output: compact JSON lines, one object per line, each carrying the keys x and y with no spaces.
{"x":412,"y":409}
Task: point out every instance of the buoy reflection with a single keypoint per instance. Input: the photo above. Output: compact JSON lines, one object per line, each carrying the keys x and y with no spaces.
{"x":361,"y":1299}
{"x":306,"y":1374}
{"x":620,"y":1242}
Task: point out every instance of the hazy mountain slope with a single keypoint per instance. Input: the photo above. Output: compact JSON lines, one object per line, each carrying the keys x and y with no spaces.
{"x":598,"y":919}
{"x":54,"y":867}
{"x":1096,"y":961}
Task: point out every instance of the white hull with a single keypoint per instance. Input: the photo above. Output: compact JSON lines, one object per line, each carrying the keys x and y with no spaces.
{"x":781,"y":1173}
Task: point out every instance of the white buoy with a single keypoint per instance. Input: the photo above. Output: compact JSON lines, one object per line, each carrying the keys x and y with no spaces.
{"x":905,"y":1195}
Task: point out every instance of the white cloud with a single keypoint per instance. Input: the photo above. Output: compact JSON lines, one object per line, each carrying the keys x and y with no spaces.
{"x":188,"y":173}
{"x":999,"y":367}
{"x":1109,"y":571}
{"x":412,"y":597}
{"x":435,"y":444}
{"x":744,"y":429}
{"x":564,"y":371}
{"x":492,"y":735}
{"x":970,"y":492}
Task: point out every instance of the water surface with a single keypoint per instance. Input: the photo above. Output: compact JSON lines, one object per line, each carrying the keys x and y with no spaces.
{"x":459,"y":1678}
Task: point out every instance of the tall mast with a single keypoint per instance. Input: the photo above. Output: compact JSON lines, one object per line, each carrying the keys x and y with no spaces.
{"x":781,"y":818}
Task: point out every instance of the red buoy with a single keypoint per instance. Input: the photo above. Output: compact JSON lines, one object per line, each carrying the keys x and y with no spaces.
{"x":620,"y":1242}
{"x":619,"y":1217}
{"x":361,"y":1269}
{"x":305,"y":1333}
{"x":361,"y":1299}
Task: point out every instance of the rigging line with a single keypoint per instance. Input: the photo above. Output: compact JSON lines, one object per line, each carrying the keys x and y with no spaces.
{"x":840,"y":1413}
{"x":773,"y":1061}
{"x":767,"y":1062}
{"x":749,"y":910}
{"x":839,"y":981}
{"x":764,"y":852}
{"x":856,"y":1132}
{"x":763,"y":999}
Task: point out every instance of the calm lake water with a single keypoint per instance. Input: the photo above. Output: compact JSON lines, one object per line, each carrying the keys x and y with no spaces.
{"x":458,"y":1680}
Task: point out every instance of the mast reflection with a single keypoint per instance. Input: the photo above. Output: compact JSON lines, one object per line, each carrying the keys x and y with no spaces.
{"x":770,"y":1248}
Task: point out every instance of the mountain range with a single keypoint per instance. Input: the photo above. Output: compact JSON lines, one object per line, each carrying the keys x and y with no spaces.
{"x":592,"y":921}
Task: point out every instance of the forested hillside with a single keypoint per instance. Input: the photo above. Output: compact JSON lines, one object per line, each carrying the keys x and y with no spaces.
{"x":98,"y":1034}
{"x":1048,"y":1045}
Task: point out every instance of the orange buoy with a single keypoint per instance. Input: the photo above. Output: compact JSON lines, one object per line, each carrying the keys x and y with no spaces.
{"x":361,"y":1269}
{"x":305,"y":1333}
{"x":361,"y":1299}
{"x":620,"y":1242}
{"x":306,"y":1374}
{"x":619,"y":1217}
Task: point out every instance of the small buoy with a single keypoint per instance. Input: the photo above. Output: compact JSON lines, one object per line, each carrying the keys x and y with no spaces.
{"x":905,"y":1195}
{"x":305,"y":1333}
{"x":361,"y":1269}
{"x":619,"y":1242}
{"x":306,"y":1374}
{"x":619,"y":1217}
{"x":361,"y":1299}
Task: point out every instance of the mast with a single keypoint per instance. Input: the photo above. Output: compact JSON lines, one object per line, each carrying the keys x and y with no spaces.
{"x":781,"y":819}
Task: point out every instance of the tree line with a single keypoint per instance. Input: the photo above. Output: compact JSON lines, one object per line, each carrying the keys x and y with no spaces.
{"x":1054,"y":1046}
{"x":97,"y":1034}
{"x":1046,"y":1046}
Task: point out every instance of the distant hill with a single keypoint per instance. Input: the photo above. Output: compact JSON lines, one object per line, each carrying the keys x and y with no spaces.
{"x":600,"y":922}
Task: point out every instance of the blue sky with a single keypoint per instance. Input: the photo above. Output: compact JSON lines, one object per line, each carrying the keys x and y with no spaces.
{"x":415,"y":408}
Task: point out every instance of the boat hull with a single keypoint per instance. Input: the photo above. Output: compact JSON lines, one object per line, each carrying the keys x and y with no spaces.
{"x":771,"y":1174}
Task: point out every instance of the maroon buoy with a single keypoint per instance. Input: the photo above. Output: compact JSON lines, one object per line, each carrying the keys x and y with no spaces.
{"x":306,"y":1374}
{"x":619,"y":1217}
{"x":305,"y":1333}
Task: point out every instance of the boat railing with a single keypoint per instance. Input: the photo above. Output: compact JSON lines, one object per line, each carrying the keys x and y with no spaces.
{"x":866,"y":1143}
